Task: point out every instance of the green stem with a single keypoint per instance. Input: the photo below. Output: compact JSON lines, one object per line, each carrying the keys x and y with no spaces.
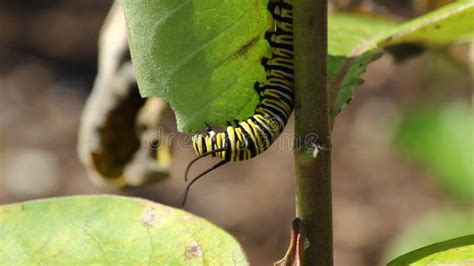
{"x":313,"y":174}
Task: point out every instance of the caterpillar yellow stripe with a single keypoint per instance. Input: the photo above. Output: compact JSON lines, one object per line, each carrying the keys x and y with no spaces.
{"x":242,"y":140}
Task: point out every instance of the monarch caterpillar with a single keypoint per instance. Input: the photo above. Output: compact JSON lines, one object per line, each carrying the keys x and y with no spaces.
{"x":248,"y":138}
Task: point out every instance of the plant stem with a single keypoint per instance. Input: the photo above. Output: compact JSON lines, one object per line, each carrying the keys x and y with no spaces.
{"x":313,"y":175}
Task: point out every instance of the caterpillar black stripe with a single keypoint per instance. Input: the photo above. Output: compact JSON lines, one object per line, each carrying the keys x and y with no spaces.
{"x":248,"y":138}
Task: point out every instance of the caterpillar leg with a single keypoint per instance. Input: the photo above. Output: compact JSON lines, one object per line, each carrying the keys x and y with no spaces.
{"x":259,"y":87}
{"x":208,"y":128}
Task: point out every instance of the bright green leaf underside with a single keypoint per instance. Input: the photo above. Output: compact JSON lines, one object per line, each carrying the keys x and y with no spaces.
{"x":110,"y":230}
{"x":203,"y":56}
{"x":459,"y":251}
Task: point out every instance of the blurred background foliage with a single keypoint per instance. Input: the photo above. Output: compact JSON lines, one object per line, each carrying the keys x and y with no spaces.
{"x":403,"y":173}
{"x":440,"y":139}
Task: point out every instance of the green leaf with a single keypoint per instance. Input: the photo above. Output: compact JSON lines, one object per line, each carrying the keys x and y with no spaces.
{"x":351,"y":47}
{"x":109,"y":230}
{"x":435,"y":227}
{"x":202,"y":56}
{"x":357,"y":40}
{"x":458,"y":251}
{"x":441,"y":139}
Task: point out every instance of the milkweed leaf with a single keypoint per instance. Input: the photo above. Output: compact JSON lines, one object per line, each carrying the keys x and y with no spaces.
{"x":110,"y":230}
{"x":202,"y":56}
